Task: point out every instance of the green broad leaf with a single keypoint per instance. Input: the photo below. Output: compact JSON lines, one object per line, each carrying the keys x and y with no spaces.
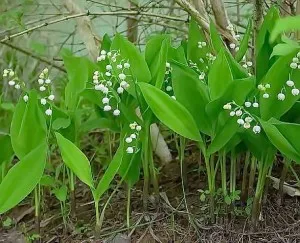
{"x":22,"y":178}
{"x":99,"y":123}
{"x":238,"y":72}
{"x":277,"y":77}
{"x":219,"y":77}
{"x":48,"y":181}
{"x":109,"y":174}
{"x":129,"y":51}
{"x":192,"y":94}
{"x":227,"y":200}
{"x":28,"y":126}
{"x":177,"y":54}
{"x":290,"y":23}
{"x":170,"y":112}
{"x":280,"y":141}
{"x":216,"y":39}
{"x":75,"y":159}
{"x":194,"y":53}
{"x":132,"y":172}
{"x":244,"y":43}
{"x":223,"y":136}
{"x":6,"y":149}
{"x":61,"y":123}
{"x":61,"y":193}
{"x":106,"y":43}
{"x":77,"y":70}
{"x":157,"y":62}
{"x":284,"y":49}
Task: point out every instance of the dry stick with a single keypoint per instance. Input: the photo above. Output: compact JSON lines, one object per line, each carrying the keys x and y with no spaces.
{"x":258,"y":18}
{"x":92,"y":14}
{"x":201,"y":20}
{"x":28,"y":53}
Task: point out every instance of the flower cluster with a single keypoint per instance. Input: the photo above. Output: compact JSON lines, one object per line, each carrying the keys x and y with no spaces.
{"x":263,"y":88}
{"x":167,"y":81}
{"x":131,"y":140}
{"x":201,"y":44}
{"x":44,"y":83}
{"x":295,"y":62}
{"x":105,"y":82}
{"x":236,"y":36}
{"x":13,"y":78}
{"x":244,"y":118}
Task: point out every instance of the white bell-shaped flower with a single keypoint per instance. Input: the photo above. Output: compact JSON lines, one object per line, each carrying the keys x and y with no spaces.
{"x":126,"y":65}
{"x":51,"y":97}
{"x":43,"y":101}
{"x":11,"y":83}
{"x":255,"y":105}
{"x":295,"y":92}
{"x":128,"y":140}
{"x":25,"y":98}
{"x":240,"y":121}
{"x":130,"y":150}
{"x":248,"y":104}
{"x":48,"y":112}
{"x":281,"y":96}
{"x":107,"y":108}
{"x":290,"y":83}
{"x":105,"y":100}
{"x":42,"y":88}
{"x":256,"y":129}
{"x":120,"y":90}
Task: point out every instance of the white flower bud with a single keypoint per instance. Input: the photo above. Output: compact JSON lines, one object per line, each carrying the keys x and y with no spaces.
{"x":247,"y":125}
{"x":108,"y":67}
{"x":227,"y":106}
{"x":128,"y":140}
{"x":108,"y":54}
{"x":293,"y":65}
{"x":116,"y":112}
{"x":99,"y":86}
{"x":169,"y":88}
{"x":248,"y":119}
{"x":25,"y":98}
{"x":173,"y":97}
{"x":266,"y":96}
{"x":105,"y":90}
{"x":11,"y":83}
{"x":43,"y":101}
{"x":133,"y":125}
{"x":109,"y":83}
{"x":48,"y":81}
{"x":42,"y":88}
{"x":255,"y":105}
{"x":42,"y":75}
{"x":295,"y":92}
{"x":17,"y":86}
{"x":41,"y":81}
{"x":138,"y":128}
{"x":51,"y":97}
{"x":95,"y":77}
{"x":238,"y":113}
{"x":126,"y":65}
{"x":290,"y":83}
{"x":133,"y":136}
{"x":249,"y":64}
{"x":96,"y":73}
{"x":260,"y":87}
{"x":107,"y":108}
{"x":245,"y":65}
{"x":296,"y":59}
{"x":120,"y":90}
{"x":232,"y":45}
{"x":240,"y":121}
{"x":232,"y":113}
{"x":281,"y":96}
{"x":203,"y":43}
{"x":108,"y":74}
{"x":103,"y":52}
{"x":105,"y":100}
{"x":122,"y":76}
{"x":45,"y":71}
{"x":168,"y":65}
{"x":298,"y":54}
{"x":237,"y":49}
{"x":11,"y":73}
{"x":201,"y":76}
{"x":248,"y":104}
{"x":48,"y":112}
{"x":119,"y":66}
{"x":267,"y":86}
{"x":256,"y":129}
{"x":129,"y":150}
{"x":95,"y":81}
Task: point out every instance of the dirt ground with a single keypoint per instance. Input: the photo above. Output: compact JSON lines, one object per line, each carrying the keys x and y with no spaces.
{"x":165,"y":221}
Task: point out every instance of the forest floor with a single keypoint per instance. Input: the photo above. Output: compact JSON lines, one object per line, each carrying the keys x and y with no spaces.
{"x":166,"y":221}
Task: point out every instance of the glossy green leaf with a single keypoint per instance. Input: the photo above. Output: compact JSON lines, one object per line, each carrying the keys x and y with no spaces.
{"x":290,"y":23}
{"x":216,"y":39}
{"x":22,"y":178}
{"x":6,"y":149}
{"x":244,"y":43}
{"x":129,"y":51}
{"x":277,"y":77}
{"x":284,"y":49}
{"x":109,"y":174}
{"x":280,"y":141}
{"x":192,"y":93}
{"x":75,"y":159}
{"x":219,"y":77}
{"x":61,"y":193}
{"x":77,"y":70}
{"x":170,"y":112}
{"x":28,"y":126}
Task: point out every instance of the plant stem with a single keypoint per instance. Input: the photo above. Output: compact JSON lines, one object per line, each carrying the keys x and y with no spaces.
{"x":223,"y":172}
{"x":209,"y":161}
{"x":128,"y":206}
{"x":72,"y":194}
{"x":252,"y":176}
{"x":98,"y":223}
{"x":245,"y":178}
{"x":286,"y":164}
{"x":37,"y":191}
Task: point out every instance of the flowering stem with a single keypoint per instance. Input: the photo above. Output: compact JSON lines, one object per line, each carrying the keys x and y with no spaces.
{"x":37,"y":198}
{"x":223,"y":174}
{"x":245,"y":174}
{"x":128,"y":206}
